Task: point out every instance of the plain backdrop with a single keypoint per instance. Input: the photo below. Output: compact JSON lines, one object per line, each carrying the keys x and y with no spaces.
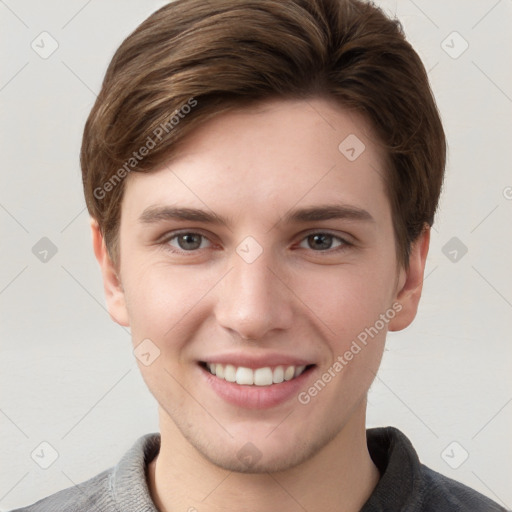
{"x":68,"y":375}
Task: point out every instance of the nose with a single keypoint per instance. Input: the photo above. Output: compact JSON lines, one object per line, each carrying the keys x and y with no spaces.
{"x":253,"y":301}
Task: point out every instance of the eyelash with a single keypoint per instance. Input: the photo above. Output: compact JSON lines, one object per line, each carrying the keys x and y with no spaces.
{"x":344,"y":244}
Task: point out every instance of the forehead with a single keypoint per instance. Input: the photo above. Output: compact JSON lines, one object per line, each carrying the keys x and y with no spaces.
{"x":261,"y":161}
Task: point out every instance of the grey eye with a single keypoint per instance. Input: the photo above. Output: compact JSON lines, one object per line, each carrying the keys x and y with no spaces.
{"x":188,"y":241}
{"x":321,"y":242}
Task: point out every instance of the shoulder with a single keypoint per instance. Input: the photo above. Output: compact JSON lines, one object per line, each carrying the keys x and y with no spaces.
{"x":407,"y":484}
{"x":439,"y":490}
{"x":122,"y":488}
{"x":89,"y":495}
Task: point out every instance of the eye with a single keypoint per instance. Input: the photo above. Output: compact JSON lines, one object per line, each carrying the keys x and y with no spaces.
{"x":322,"y":242}
{"x":188,"y":241}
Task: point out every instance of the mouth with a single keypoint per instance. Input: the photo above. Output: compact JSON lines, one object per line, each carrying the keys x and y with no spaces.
{"x":259,"y":377}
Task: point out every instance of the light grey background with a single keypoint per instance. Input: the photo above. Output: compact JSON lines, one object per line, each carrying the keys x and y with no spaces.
{"x":68,"y":375}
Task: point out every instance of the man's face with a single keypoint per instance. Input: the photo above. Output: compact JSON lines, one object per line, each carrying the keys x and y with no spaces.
{"x":264,"y":246}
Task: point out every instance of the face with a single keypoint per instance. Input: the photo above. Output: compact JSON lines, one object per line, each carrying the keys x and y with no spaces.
{"x":260,"y":266}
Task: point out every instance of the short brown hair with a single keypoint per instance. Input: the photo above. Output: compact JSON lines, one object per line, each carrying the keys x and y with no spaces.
{"x":193,"y":59}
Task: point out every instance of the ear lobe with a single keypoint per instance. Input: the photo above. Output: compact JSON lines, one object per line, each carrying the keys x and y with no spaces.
{"x":114,"y":293}
{"x":411,"y":283}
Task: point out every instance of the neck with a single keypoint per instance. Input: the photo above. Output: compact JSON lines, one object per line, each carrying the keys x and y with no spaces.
{"x":341,"y":477}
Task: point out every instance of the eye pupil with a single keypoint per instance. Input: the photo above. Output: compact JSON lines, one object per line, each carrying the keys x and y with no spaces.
{"x":320,"y":241}
{"x":189,"y":241}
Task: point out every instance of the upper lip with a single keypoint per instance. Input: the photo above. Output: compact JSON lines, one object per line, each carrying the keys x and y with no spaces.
{"x":253,"y":362}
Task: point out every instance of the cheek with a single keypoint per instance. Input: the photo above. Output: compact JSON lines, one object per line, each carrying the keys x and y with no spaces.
{"x":348,"y":301}
{"x":161,"y":299}
{"x":353,"y":308}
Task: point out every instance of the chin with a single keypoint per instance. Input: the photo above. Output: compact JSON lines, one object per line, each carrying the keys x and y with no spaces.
{"x":263,"y":455}
{"x":256,"y":463}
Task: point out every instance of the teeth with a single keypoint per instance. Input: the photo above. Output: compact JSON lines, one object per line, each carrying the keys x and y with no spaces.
{"x":278,"y":375}
{"x":263,"y":377}
{"x":244,"y":376}
{"x":230,"y":373}
{"x":258,"y":377}
{"x":298,"y":370}
{"x":289,"y":373}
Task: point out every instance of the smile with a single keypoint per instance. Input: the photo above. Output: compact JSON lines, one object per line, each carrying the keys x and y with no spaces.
{"x":265,"y":376}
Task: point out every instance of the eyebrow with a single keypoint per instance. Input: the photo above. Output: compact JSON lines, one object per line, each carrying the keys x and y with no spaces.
{"x":154,"y":214}
{"x":327,"y":212}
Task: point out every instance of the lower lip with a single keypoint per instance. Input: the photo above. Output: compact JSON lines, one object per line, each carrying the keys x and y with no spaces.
{"x":256,"y":397}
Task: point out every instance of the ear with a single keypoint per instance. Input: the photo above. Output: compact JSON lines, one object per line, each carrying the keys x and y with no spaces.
{"x":112,"y":286}
{"x":410,"y":283}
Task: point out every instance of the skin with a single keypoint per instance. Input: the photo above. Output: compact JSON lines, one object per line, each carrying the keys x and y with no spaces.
{"x":295,"y":298}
